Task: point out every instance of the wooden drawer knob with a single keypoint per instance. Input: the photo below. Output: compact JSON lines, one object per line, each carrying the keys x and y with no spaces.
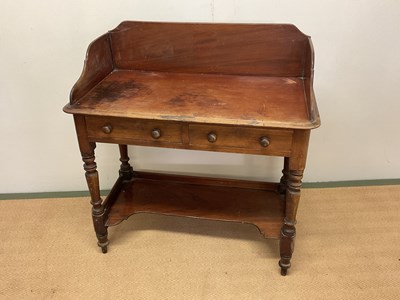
{"x":107,"y":128}
{"x":156,"y":133}
{"x":212,"y":137}
{"x":264,"y":141}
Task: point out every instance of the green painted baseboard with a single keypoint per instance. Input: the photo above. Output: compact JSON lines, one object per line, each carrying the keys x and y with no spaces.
{"x":42,"y":195}
{"x":351,"y":183}
{"x":307,"y":185}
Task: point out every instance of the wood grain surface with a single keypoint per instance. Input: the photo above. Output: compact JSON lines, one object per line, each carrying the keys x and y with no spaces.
{"x":240,"y":49}
{"x":199,"y":98}
{"x":200,"y":199}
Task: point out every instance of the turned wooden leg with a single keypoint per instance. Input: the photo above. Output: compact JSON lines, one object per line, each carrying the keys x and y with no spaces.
{"x":284,"y":178}
{"x":293,"y":173}
{"x":125,"y":171}
{"x":92,"y":179}
{"x":288,"y":231}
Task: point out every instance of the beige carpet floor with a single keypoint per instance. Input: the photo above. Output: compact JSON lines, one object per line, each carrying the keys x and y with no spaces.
{"x":347,"y":247}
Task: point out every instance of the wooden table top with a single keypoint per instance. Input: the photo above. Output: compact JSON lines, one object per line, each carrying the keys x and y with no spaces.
{"x":199,"y":98}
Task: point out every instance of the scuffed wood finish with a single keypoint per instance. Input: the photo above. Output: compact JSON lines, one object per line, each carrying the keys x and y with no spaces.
{"x":308,"y":85}
{"x":214,"y":201}
{"x":199,"y":98}
{"x":98,"y":64}
{"x":239,"y":49}
{"x":242,"y":88}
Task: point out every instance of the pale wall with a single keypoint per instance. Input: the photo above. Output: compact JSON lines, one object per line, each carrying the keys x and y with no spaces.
{"x":43,"y":44}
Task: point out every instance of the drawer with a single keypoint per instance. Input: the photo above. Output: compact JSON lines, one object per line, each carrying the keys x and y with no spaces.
{"x":132,"y":131}
{"x":241,"y":139}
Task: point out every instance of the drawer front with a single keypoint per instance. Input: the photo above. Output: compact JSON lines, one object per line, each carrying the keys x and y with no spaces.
{"x":139,"y":132}
{"x":241,"y":139}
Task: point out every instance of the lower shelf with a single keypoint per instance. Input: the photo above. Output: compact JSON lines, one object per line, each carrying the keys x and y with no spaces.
{"x":240,"y":201}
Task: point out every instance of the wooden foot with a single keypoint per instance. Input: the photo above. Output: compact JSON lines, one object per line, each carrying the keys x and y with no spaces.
{"x":102,"y":242}
{"x":288,"y":234}
{"x":104,"y":247}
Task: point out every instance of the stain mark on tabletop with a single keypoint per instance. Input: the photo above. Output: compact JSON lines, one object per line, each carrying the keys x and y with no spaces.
{"x":186,"y":99}
{"x":251,"y":118}
{"x":114,"y":90}
{"x":263,"y":109}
